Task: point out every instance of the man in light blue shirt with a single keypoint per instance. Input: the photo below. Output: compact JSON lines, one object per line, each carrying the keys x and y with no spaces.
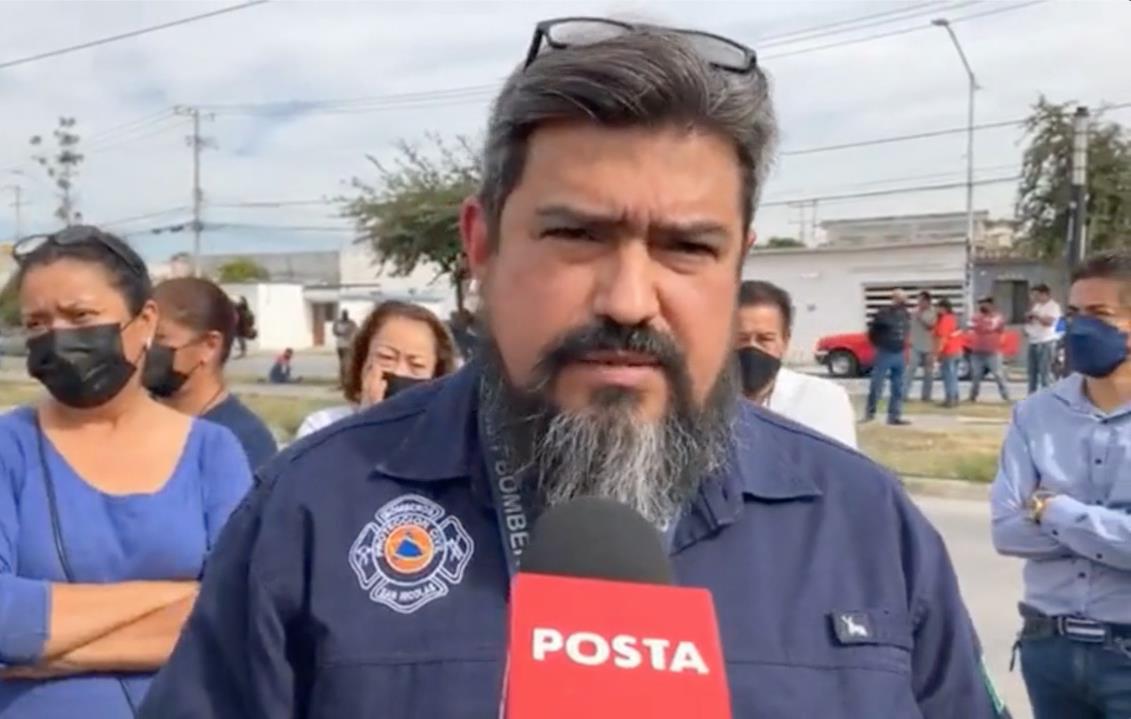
{"x":1062,"y":502}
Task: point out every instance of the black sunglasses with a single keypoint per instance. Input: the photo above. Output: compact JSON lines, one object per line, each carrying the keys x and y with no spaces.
{"x":565,"y":32}
{"x":76,"y":235}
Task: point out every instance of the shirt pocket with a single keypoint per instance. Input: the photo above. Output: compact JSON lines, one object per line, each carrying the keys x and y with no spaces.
{"x":463,"y":684}
{"x":858,"y":666}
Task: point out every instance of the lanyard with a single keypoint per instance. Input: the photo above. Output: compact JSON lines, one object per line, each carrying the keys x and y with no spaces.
{"x":504,"y":477}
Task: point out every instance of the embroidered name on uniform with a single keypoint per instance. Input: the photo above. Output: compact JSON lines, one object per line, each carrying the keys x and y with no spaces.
{"x":411,"y":554}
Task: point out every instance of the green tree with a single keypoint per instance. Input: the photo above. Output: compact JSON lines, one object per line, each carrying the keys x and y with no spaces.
{"x":62,"y":165}
{"x":410,"y":213}
{"x":10,"y":303}
{"x":1045,"y":192}
{"x":780,"y":242}
{"x":241,"y":269}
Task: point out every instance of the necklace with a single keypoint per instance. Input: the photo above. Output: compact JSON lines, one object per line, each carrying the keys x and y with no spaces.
{"x":213,"y":401}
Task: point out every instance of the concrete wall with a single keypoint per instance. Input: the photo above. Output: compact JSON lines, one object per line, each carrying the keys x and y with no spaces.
{"x":282,"y":315}
{"x":829,"y":284}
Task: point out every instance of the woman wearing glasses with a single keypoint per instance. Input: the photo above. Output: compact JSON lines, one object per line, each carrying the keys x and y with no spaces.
{"x":399,"y":345}
{"x":185,"y":366}
{"x":109,"y":501}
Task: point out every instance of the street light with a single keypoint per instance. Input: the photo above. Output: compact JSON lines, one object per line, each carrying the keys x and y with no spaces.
{"x":969,"y":270}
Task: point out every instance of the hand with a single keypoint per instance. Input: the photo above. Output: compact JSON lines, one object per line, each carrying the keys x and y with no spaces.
{"x":373,"y":386}
{"x":1037,"y":504}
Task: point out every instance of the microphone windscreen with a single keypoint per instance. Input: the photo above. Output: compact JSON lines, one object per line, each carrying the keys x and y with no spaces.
{"x":597,"y":538}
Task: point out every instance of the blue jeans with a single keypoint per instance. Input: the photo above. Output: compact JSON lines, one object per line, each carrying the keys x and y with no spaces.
{"x":1075,"y":680}
{"x":1040,"y":365}
{"x":926,"y":360}
{"x":949,"y":369}
{"x":893,"y":364}
{"x":980,"y":363}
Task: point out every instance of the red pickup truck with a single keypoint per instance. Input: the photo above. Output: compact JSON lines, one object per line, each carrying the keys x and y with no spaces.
{"x":852,"y":355}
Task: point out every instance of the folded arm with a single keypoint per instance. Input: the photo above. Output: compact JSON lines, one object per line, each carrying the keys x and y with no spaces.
{"x":1097,"y":533}
{"x":1015,"y":533}
{"x":143,"y":645}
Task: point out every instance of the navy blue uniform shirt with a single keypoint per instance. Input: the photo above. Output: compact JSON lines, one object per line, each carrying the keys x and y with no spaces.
{"x":365,"y":577}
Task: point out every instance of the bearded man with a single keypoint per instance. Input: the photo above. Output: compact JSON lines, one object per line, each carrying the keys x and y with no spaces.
{"x":368,"y":573}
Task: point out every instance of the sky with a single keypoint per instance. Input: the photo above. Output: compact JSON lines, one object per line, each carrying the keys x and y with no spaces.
{"x":259,"y":75}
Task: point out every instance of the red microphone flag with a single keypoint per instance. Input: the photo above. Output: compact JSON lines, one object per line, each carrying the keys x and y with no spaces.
{"x":610,"y":650}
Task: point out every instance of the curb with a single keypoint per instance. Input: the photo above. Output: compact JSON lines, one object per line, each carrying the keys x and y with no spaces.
{"x":947,"y":488}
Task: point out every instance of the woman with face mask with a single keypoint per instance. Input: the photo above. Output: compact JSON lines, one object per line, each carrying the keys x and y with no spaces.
{"x":109,"y":501}
{"x":399,"y":345}
{"x":185,"y":366}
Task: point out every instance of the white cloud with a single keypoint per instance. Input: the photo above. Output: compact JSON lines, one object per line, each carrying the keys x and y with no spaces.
{"x":281,"y":51}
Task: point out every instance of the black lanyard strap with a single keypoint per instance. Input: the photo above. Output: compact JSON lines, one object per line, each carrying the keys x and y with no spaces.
{"x":505,"y":477}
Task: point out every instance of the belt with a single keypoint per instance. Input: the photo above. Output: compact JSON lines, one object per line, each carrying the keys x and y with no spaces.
{"x":1077,"y":629}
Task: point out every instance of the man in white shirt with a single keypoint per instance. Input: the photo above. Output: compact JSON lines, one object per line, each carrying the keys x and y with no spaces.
{"x":765,"y":320}
{"x":1041,"y":332}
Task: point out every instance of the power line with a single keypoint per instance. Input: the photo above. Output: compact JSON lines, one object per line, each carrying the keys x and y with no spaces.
{"x":907,"y":13}
{"x":269,"y":203}
{"x":902,"y":31}
{"x":884,"y":193}
{"x":146,"y":216}
{"x":926,"y":134}
{"x":126,"y":35}
{"x":127,"y":127}
{"x":471,"y":93}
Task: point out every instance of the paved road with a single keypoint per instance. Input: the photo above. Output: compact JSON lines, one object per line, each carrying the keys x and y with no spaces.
{"x":991,"y":586}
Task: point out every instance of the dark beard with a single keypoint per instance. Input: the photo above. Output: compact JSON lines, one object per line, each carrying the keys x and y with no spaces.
{"x":605,"y":450}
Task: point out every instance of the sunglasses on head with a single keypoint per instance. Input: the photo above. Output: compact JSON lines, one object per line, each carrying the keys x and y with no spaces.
{"x":561,"y":33}
{"x":76,"y":235}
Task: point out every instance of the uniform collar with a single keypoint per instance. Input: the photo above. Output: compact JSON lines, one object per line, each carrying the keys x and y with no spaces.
{"x":1071,"y":391}
{"x":765,"y":465}
{"x":443,"y":443}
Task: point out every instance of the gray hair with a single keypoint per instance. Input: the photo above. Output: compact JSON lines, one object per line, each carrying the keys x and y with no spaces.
{"x":647,"y":76}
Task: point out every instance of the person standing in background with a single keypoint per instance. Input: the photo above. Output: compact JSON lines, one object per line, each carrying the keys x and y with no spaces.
{"x":985,"y":355}
{"x":1062,"y":502}
{"x":109,"y":501}
{"x":1041,"y":332}
{"x":399,"y":345}
{"x":948,"y":348}
{"x":888,"y":335}
{"x":245,"y":325}
{"x":185,"y":366}
{"x":765,"y":324}
{"x":344,"y":330}
{"x":923,"y":355}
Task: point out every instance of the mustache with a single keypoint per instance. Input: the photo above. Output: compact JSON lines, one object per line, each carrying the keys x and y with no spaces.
{"x":608,"y":336}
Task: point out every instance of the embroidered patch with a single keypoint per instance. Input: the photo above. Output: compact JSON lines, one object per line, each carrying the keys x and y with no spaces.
{"x":412,"y":553}
{"x":853,"y":628}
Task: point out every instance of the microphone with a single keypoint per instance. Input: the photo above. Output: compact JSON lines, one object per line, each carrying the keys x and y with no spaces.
{"x":597,"y":629}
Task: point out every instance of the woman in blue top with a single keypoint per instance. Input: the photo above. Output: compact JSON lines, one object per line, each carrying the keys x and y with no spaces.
{"x":109,"y":501}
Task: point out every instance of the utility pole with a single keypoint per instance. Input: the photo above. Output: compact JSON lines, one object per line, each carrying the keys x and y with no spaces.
{"x":973,"y":87}
{"x":1078,"y":206}
{"x":197,"y":143}
{"x":16,"y":192}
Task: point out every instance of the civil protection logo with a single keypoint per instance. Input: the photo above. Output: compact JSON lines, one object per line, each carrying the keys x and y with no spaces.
{"x":410,"y":554}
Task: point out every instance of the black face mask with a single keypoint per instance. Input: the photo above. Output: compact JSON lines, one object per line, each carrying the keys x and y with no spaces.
{"x":758,"y":370}
{"x":82,"y":367}
{"x":395,"y":383}
{"x":158,"y":375}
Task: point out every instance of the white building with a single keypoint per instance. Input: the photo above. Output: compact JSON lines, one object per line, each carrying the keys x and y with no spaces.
{"x":836,"y":289}
{"x":910,"y":229}
{"x":308,"y":290}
